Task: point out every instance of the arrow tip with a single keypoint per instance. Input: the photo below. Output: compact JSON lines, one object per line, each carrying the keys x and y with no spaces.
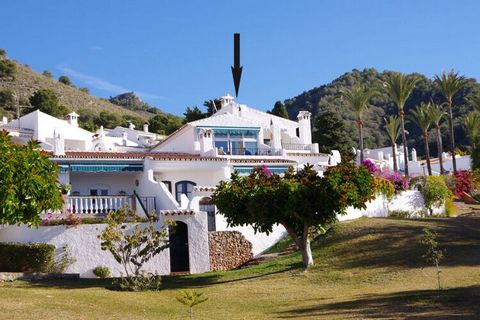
{"x":237,"y":75}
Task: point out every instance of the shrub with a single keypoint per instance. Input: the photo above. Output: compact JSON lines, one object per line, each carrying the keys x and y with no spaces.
{"x":383,"y":186}
{"x":65,"y":80}
{"x":400,"y":214}
{"x":451,"y":209}
{"x":102,"y":272}
{"x":7,"y":69}
{"x":400,"y":183}
{"x":27,"y":257}
{"x":463,"y":182}
{"x":435,"y":192}
{"x":370,"y":166}
{"x":417,"y":183}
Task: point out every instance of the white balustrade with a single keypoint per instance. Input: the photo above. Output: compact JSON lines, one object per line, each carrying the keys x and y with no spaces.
{"x":98,"y":204}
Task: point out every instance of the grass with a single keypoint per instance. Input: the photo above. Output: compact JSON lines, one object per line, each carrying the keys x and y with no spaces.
{"x":365,"y":269}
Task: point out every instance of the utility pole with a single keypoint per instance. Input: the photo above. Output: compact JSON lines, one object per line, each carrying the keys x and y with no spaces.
{"x":18,"y":107}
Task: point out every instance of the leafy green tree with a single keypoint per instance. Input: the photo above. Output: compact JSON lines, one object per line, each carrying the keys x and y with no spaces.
{"x":65,"y":80}
{"x":193,"y":114}
{"x":7,"y":99}
{"x":392,"y":127}
{"x":109,"y":120}
{"x":46,"y":101}
{"x":302,"y":201}
{"x":330,"y":134}
{"x":7,"y":69}
{"x":436,"y":115}
{"x":191,"y":298}
{"x":420,"y":115}
{"x":358,"y":98}
{"x":27,"y":182}
{"x":3,"y":54}
{"x":449,"y":84}
{"x":399,"y":87}
{"x":280,"y":110}
{"x":433,"y":254}
{"x":47,"y":74}
{"x":164,"y":124}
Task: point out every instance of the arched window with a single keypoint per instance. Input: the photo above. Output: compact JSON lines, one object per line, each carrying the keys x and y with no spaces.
{"x":185,"y":187}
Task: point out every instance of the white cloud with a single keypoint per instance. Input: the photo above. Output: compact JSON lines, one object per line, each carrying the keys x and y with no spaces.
{"x":102,"y":84}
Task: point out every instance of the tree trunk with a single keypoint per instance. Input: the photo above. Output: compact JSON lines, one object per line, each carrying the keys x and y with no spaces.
{"x":360,"y":138}
{"x":404,"y":140}
{"x":452,"y":137}
{"x":394,"y":152}
{"x":306,"y":250}
{"x":427,"y":153}
{"x":440,"y":148}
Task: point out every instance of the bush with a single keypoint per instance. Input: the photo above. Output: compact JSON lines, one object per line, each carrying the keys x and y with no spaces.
{"x":65,"y":80}
{"x":435,"y":192}
{"x":102,"y":272}
{"x":7,"y":69}
{"x":27,"y":257}
{"x":383,"y":186}
{"x":463,"y":182}
{"x":404,"y":214}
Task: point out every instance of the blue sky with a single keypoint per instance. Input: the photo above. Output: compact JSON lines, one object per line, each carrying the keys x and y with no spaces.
{"x":176,"y":54}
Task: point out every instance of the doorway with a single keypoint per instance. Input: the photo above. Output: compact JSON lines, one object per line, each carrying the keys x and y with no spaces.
{"x":179,"y":254}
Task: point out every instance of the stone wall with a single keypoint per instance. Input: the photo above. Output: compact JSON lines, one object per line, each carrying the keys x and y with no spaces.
{"x":228,"y":250}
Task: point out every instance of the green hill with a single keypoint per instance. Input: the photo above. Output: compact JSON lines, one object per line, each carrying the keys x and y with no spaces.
{"x":327,"y":98}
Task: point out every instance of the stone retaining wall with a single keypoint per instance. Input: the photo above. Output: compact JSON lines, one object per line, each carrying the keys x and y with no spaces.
{"x":228,"y":250}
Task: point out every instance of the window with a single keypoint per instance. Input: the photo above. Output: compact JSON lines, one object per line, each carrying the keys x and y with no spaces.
{"x":168,"y":184}
{"x":184,"y":187}
{"x":207,"y":206}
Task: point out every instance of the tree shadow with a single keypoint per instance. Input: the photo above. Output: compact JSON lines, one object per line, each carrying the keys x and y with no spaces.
{"x":456,"y":303}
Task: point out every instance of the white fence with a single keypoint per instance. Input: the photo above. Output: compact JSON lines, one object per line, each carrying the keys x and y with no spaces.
{"x":98,"y":204}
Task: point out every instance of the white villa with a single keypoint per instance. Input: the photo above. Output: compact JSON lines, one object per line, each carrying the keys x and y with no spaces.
{"x":172,"y":176}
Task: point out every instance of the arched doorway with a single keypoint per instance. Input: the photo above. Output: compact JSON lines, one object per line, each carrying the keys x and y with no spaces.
{"x":179,"y":260}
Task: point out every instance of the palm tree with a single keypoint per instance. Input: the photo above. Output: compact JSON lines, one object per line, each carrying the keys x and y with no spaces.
{"x":472,"y":122}
{"x":420,"y":115}
{"x":358,"y":98}
{"x":392,"y":128}
{"x":436,"y":114}
{"x":399,"y":87}
{"x":449,"y":84}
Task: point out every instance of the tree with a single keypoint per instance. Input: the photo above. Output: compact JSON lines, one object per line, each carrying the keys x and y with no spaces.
{"x":27,"y":182}
{"x":47,"y":74}
{"x":109,"y":120}
{"x":330,"y":134}
{"x":399,"y":87}
{"x":472,"y":123}
{"x":132,"y":249}
{"x":164,"y":124}
{"x":193,"y":114}
{"x":433,"y":254}
{"x":436,"y":115}
{"x":301,"y":201}
{"x":420,"y":115}
{"x":3,"y":54}
{"x":65,"y":80}
{"x":7,"y":99}
{"x":393,"y":128}
{"x":212,"y":105}
{"x":448,"y":85}
{"x":358,"y":98}
{"x":46,"y":101}
{"x":191,"y":298}
{"x":7,"y":69}
{"x":280,"y":110}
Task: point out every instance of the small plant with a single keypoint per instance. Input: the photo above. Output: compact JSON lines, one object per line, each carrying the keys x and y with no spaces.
{"x":433,"y":254}
{"x":464,"y":182}
{"x":435,"y":192}
{"x":63,"y":260}
{"x":403,"y":214}
{"x":102,"y":272}
{"x":64,"y":188}
{"x":133,"y":248}
{"x":191,"y":298}
{"x":384,"y":186}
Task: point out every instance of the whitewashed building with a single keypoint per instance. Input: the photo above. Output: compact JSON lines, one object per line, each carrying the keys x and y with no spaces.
{"x":173,"y":177}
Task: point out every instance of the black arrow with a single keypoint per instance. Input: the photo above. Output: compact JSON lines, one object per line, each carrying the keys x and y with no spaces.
{"x":236,"y":69}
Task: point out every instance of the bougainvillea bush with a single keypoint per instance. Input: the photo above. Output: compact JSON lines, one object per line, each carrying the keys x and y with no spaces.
{"x":399,"y":182}
{"x":464,"y":182}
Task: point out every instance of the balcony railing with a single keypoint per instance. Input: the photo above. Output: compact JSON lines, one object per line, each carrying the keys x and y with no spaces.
{"x":297,"y":146}
{"x":99,"y":204}
{"x":252,"y":152}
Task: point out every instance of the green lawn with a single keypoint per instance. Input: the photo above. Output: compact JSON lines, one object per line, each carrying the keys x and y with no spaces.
{"x":365,"y":269}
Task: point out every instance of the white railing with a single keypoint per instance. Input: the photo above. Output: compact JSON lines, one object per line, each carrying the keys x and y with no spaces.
{"x":297,"y":146}
{"x":98,"y":204}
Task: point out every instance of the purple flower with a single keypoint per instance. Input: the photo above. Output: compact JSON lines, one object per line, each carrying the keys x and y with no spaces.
{"x":370,"y":166}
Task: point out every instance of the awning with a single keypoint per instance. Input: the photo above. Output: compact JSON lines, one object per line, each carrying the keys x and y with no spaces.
{"x":102,"y":167}
{"x":233,"y":130}
{"x":249,"y":169}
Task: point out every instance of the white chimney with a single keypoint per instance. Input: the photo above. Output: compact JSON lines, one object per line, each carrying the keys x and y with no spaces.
{"x":124,"y":138}
{"x":131,"y":126}
{"x":205,"y":136}
{"x":305,"y":127}
{"x":226,"y":100}
{"x":72,"y":118}
{"x":4,"y":120}
{"x":145,"y":127}
{"x":58,"y":143}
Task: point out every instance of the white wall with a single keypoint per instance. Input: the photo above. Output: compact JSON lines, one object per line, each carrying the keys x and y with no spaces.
{"x":115,"y":181}
{"x":183,"y":141}
{"x":84,"y":245}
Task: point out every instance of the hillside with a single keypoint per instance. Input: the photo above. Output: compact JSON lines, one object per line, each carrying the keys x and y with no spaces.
{"x":327,"y":98}
{"x":365,"y":269}
{"x":27,"y":81}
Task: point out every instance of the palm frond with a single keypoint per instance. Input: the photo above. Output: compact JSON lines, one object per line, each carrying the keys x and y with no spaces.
{"x":399,"y":87}
{"x":358,"y":98}
{"x":472,"y":123}
{"x":436,"y":113}
{"x":449,"y":83}
{"x":420,"y":116}
{"x":392,"y":127}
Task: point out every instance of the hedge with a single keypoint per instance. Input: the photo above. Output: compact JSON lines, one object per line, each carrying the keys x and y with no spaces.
{"x":26,"y":257}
